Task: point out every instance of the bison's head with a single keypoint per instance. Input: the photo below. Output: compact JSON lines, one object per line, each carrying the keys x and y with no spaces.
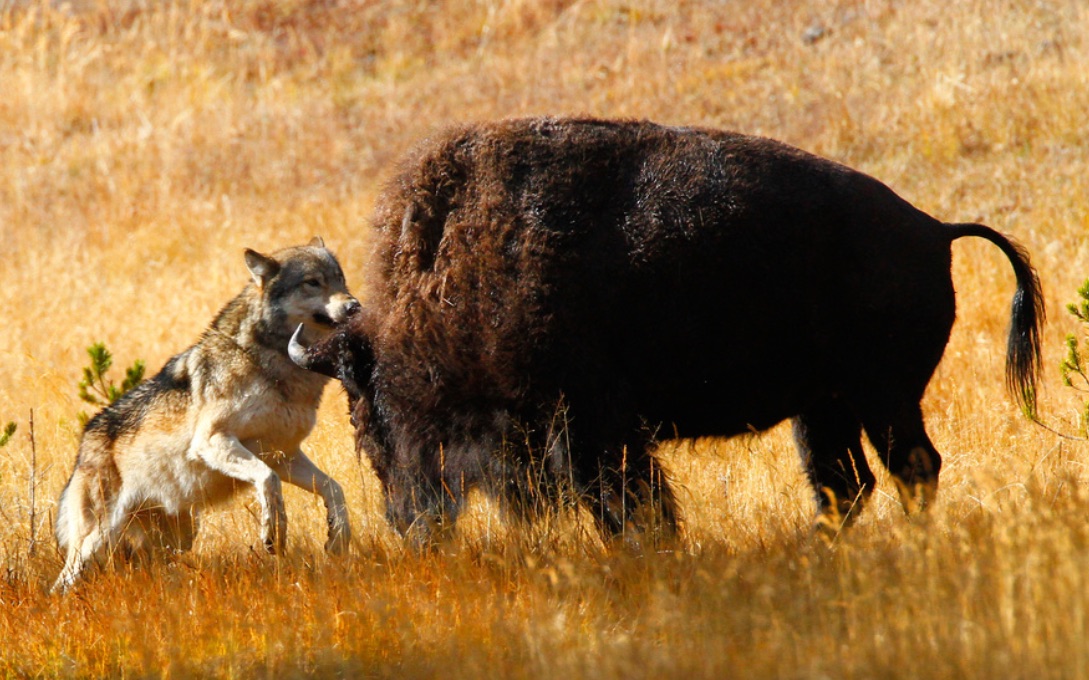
{"x":347,"y":355}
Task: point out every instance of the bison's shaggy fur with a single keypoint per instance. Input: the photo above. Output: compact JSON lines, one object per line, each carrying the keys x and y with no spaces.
{"x":546,"y":296}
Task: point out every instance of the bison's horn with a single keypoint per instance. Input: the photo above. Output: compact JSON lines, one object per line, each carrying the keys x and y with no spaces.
{"x":296,"y":351}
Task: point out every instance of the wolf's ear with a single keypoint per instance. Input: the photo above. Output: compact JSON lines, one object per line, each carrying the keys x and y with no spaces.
{"x":316,"y":242}
{"x":262,"y":267}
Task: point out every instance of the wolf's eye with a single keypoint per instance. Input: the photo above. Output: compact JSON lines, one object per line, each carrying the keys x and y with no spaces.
{"x":313,"y":283}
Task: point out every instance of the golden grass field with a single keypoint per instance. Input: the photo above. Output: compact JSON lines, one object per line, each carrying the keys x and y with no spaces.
{"x":144,"y":144}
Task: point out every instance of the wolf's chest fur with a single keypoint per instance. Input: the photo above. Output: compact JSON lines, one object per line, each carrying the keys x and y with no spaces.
{"x":254,"y":394}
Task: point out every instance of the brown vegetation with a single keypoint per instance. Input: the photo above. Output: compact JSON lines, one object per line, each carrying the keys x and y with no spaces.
{"x":144,"y":145}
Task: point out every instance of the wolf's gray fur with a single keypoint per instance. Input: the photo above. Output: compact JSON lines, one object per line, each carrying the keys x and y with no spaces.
{"x":231,"y":409}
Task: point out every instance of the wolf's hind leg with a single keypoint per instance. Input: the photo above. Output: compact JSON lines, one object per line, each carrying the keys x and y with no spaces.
{"x":102,"y":534}
{"x":182,"y":529}
{"x":165,"y":531}
{"x":103,"y":531}
{"x":77,"y":559}
{"x":300,"y":471}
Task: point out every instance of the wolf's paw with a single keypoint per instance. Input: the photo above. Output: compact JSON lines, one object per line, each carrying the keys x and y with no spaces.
{"x":340,"y":535}
{"x":275,"y":539}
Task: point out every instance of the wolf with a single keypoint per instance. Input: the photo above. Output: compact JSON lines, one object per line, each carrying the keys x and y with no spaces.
{"x":228,"y":412}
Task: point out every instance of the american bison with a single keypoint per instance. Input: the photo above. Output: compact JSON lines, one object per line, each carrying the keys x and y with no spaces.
{"x":545,"y":298}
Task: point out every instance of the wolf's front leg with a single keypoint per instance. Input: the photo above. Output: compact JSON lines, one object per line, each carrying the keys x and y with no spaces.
{"x":226,"y":455}
{"x":300,"y":471}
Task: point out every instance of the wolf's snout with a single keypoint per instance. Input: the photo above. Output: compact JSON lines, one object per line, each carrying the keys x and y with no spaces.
{"x":341,"y":308}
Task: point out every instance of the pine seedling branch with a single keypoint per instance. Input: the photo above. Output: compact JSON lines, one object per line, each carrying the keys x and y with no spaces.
{"x":95,"y":388}
{"x":9,"y":430}
{"x":1073,"y":367}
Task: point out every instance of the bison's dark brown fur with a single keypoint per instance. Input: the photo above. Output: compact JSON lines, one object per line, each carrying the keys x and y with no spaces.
{"x":548,"y":295}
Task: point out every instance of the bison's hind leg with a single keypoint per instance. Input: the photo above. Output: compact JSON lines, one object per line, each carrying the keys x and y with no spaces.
{"x":901,"y":440}
{"x":828,"y":436}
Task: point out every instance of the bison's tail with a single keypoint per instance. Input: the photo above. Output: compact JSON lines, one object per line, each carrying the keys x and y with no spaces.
{"x":1026,"y":317}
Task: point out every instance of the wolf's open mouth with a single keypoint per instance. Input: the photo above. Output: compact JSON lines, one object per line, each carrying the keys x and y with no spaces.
{"x":323,"y":319}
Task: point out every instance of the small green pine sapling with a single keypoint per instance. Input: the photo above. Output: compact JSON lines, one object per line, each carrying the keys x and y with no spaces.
{"x":1074,"y":369}
{"x":95,"y":389}
{"x":5,"y":437}
{"x":9,"y":430}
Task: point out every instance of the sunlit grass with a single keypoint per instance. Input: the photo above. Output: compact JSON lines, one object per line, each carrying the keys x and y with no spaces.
{"x":144,"y":145}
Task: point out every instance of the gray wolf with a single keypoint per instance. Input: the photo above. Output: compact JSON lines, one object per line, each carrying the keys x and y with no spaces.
{"x":547,"y":297}
{"x":229,"y":412}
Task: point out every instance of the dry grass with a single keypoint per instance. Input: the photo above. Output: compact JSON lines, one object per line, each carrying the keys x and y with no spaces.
{"x":144,"y":144}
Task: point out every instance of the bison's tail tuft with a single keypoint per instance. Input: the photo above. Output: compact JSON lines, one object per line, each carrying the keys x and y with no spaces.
{"x":1026,"y":317}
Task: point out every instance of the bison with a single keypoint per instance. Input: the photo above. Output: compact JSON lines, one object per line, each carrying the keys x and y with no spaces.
{"x":546,"y":298}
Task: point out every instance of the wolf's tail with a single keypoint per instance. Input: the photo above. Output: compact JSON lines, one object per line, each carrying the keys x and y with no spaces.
{"x":72,"y":510}
{"x":1026,"y":317}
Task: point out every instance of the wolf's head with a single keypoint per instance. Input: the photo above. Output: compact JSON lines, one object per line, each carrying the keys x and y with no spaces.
{"x":302,"y":285}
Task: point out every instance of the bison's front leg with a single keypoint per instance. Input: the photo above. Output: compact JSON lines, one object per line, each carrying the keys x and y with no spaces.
{"x":422,"y":509}
{"x":631,"y":497}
